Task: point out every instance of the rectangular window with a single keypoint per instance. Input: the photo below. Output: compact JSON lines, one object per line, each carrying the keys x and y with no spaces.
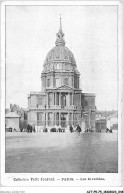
{"x":70,"y":99}
{"x":48,"y":82}
{"x":75,"y":82}
{"x":70,"y":119}
{"x":50,"y":99}
{"x":57,"y":98}
{"x":50,"y":120}
{"x":66,"y":81}
{"x":57,"y":119}
{"x":57,"y":82}
{"x":72,"y":82}
{"x":40,"y":118}
{"x":40,"y":101}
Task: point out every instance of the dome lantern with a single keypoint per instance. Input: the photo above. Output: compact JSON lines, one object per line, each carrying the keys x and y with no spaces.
{"x":60,"y":35}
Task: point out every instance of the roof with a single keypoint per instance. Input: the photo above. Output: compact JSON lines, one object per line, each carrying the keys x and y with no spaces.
{"x":12,"y":115}
{"x":115,"y":115}
{"x":101,"y":119}
{"x":60,"y":57}
{"x":60,"y":54}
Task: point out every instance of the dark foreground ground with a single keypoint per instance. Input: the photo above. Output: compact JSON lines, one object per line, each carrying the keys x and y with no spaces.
{"x":61,"y":153}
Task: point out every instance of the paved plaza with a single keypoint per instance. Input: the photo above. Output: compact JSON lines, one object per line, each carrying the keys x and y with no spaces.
{"x":61,"y":152}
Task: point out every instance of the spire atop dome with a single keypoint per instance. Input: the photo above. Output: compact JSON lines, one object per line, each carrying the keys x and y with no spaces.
{"x":60,"y":35}
{"x":60,"y":27}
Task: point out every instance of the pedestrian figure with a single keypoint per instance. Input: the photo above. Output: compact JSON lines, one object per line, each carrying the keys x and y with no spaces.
{"x":110,"y":131}
{"x":10,"y":129}
{"x":21,"y":129}
{"x":71,"y":129}
{"x":78,"y":129}
{"x":107,"y":130}
{"x":28,"y":128}
{"x":33,"y":129}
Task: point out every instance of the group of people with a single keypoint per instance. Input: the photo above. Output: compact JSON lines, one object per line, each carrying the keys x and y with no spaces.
{"x":30,"y":129}
{"x":78,"y":129}
{"x":89,"y":130}
{"x":107,"y":130}
{"x":54,"y":130}
{"x":10,"y":129}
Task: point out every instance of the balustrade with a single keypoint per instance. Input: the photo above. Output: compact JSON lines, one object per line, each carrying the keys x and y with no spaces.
{"x":54,"y":123}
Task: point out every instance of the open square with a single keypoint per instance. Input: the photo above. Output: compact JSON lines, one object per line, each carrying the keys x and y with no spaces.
{"x":61,"y":153}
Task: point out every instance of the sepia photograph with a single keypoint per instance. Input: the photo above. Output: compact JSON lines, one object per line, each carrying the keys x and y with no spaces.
{"x":61,"y":94}
{"x":61,"y":89}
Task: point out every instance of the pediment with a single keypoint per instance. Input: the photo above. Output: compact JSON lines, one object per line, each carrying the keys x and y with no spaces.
{"x":65,"y":87}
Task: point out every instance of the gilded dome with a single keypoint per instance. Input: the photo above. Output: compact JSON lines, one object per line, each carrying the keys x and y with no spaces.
{"x":60,"y":53}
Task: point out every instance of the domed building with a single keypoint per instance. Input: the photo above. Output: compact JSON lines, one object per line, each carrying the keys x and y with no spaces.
{"x":61,"y":101}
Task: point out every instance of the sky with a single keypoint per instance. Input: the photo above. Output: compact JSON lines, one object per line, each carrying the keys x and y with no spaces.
{"x":91,"y":35}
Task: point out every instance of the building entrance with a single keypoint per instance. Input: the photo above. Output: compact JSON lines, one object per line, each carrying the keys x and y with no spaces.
{"x":63,"y":120}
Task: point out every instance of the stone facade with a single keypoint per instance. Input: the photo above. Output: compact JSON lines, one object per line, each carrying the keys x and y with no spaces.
{"x":61,"y":101}
{"x":12,"y":120}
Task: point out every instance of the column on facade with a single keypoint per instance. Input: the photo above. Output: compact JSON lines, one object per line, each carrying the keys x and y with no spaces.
{"x":60,"y":99}
{"x":68,"y":120}
{"x":80,"y":99}
{"x":47,"y":99}
{"x":46,"y":118}
{"x":50,"y":98}
{"x":55,"y":98}
{"x":59,"y":118}
{"x":52,"y":79}
{"x":54,"y":118}
{"x":68,"y":101}
{"x":73,"y":118}
{"x":72,"y":98}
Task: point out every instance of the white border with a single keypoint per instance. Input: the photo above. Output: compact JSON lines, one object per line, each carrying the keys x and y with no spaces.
{"x":112,"y":179}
